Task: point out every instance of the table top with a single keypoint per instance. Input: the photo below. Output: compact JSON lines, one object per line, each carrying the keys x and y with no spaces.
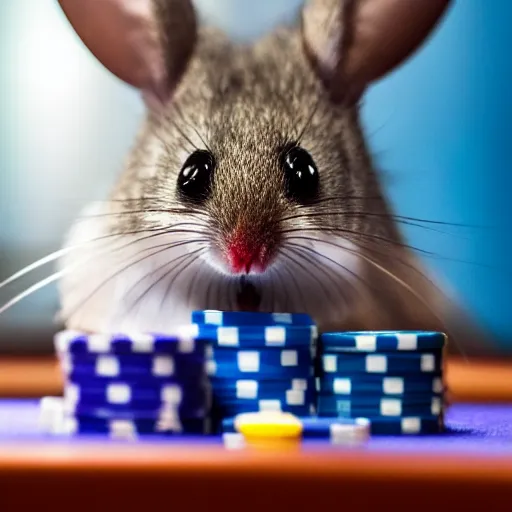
{"x":471,"y":463}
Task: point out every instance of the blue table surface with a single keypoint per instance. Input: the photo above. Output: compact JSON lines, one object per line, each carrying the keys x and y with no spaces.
{"x":484,"y":429}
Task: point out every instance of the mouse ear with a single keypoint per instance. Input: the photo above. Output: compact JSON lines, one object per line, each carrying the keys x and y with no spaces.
{"x":352,"y":43}
{"x":145,"y":43}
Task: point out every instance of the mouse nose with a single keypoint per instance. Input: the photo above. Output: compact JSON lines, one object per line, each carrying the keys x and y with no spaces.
{"x":248,"y":253}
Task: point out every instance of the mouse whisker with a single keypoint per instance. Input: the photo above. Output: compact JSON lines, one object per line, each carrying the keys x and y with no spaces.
{"x":127,"y":264}
{"x":171,"y":123}
{"x":130,"y":199}
{"x":330,"y":275}
{"x":220,"y":293}
{"x":176,"y":263}
{"x":41,"y":283}
{"x":196,"y":278}
{"x":413,"y":292}
{"x":192,"y":126}
{"x":31,"y":290}
{"x":196,"y":255}
{"x":350,"y":214}
{"x":410,"y":221}
{"x":293,"y":278}
{"x":317,"y":254}
{"x":142,"y":211}
{"x":185,"y":210}
{"x":66,"y":250}
{"x":309,"y":119}
{"x":307,"y":272}
{"x":393,"y":257}
{"x":365,"y":245}
{"x":355,"y":235}
{"x":271,"y":292}
{"x":168,"y":262}
{"x":342,"y":198}
{"x":208,"y":292}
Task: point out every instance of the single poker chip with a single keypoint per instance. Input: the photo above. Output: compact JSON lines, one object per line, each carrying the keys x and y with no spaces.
{"x":140,"y":380}
{"x":385,"y":402}
{"x":260,"y":336}
{"x":233,"y":441}
{"x":396,"y":364}
{"x":131,"y":429}
{"x":222,"y":409}
{"x":184,"y":341}
{"x":118,"y":412}
{"x":190,"y":402}
{"x":131,"y":366}
{"x":255,"y":388}
{"x":268,"y":425}
{"x":409,"y":425}
{"x":341,"y":431}
{"x":394,"y":407}
{"x":382,"y":341}
{"x":51,"y":414}
{"x":288,"y":396}
{"x":126,"y":395}
{"x":249,"y":318}
{"x":264,"y":364}
{"x":54,"y":420}
{"x":380,"y":385}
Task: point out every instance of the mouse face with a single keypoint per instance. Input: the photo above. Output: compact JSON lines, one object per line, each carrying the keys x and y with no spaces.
{"x":260,"y":197}
{"x":250,"y":187}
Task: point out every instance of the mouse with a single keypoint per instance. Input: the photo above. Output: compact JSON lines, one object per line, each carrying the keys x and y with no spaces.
{"x":250,"y":185}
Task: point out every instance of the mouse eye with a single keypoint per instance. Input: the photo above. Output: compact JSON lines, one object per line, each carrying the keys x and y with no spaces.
{"x":195,"y":178}
{"x":301,"y":174}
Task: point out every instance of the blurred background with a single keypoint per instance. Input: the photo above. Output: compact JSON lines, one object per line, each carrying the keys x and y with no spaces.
{"x":439,"y":127}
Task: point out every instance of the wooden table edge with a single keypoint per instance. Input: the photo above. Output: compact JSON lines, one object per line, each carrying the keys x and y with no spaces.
{"x":70,"y":478}
{"x":126,"y":457}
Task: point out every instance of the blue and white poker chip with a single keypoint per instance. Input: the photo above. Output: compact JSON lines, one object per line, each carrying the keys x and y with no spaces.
{"x":263,"y":364}
{"x":254,"y":388}
{"x":185,"y":341}
{"x":259,"y":336}
{"x":249,"y":318}
{"x":382,"y":341}
{"x":335,"y":430}
{"x":141,"y":411}
{"x":375,"y":385}
{"x":123,"y":396}
{"x":396,"y":363}
{"x":227,"y":410}
{"x":128,"y":429}
{"x":54,"y":420}
{"x":131,"y":366}
{"x":409,"y":425}
{"x":334,"y":406}
{"x":140,"y":380}
{"x":288,"y":397}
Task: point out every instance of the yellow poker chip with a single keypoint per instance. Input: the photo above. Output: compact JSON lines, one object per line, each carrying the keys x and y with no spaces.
{"x":268,"y":425}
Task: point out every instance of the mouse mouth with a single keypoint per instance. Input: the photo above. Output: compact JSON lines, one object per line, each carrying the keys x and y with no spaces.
{"x":248,"y":297}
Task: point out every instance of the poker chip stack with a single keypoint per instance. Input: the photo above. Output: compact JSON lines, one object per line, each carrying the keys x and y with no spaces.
{"x":125,"y":385}
{"x":392,"y":378}
{"x":259,"y":362}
